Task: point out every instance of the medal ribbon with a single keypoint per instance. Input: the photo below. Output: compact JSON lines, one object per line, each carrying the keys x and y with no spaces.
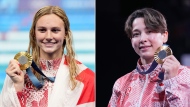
{"x":154,"y":65}
{"x":33,"y":78}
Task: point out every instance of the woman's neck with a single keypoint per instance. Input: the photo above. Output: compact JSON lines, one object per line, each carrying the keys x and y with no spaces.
{"x":146,"y":61}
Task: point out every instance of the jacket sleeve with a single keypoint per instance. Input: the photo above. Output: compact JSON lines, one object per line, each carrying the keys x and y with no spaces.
{"x":8,"y":97}
{"x":113,"y":102}
{"x":177,"y":89}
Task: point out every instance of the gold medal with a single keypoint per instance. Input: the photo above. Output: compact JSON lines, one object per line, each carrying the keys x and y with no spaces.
{"x":25,"y":60}
{"x":161,"y":53}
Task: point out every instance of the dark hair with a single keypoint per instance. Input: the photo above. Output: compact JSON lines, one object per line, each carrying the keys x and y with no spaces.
{"x":153,"y":20}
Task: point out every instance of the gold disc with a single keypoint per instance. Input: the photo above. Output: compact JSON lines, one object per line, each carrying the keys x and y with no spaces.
{"x":161,"y":53}
{"x":25,"y":60}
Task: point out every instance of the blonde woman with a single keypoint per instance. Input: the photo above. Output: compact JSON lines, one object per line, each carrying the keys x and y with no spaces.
{"x":51,"y":49}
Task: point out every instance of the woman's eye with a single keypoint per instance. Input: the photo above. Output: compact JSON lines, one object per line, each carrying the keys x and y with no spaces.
{"x":42,"y":30}
{"x":135,"y":34}
{"x":151,"y":31}
{"x":55,"y":30}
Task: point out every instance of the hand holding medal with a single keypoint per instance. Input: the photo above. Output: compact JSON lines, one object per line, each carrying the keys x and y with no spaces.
{"x":170,"y":64}
{"x":16,"y":74}
{"x":15,"y":69}
{"x":26,"y":62}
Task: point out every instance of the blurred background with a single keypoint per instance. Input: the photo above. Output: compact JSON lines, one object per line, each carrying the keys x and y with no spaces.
{"x":115,"y":55}
{"x":16,"y":18}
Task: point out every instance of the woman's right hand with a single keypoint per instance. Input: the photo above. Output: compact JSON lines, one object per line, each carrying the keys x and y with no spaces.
{"x":16,"y":74}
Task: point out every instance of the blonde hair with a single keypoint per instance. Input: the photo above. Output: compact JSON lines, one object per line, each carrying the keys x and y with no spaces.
{"x":33,"y":48}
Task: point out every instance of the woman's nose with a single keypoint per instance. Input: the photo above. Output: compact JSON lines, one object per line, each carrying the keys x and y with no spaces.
{"x":143,"y":37}
{"x":48,"y":35}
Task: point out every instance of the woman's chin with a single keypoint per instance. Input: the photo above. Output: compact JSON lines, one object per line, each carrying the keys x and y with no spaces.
{"x":48,"y":51}
{"x":147,"y":57}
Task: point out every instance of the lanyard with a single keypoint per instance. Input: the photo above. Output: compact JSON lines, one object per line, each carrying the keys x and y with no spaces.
{"x":38,"y":84}
{"x":160,"y":54}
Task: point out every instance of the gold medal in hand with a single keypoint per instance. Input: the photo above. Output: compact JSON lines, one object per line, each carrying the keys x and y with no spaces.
{"x":25,"y":60}
{"x":161,"y":53}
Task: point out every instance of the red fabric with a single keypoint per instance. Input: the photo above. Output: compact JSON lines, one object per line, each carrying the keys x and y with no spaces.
{"x":31,"y":97}
{"x":134,"y":89}
{"x":21,"y":98}
{"x":88,"y":92}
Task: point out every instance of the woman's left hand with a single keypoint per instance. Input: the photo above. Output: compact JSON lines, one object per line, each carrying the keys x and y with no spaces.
{"x":170,"y":67}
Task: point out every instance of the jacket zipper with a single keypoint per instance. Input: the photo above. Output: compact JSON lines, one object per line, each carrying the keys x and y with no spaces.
{"x":141,"y":95}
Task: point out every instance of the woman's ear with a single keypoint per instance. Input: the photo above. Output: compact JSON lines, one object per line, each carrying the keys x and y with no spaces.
{"x":165,"y":36}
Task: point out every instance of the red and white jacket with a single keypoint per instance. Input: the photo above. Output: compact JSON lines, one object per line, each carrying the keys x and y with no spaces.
{"x":137,"y":90}
{"x":57,"y":94}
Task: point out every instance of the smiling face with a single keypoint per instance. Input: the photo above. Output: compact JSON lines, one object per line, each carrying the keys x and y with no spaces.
{"x":146,"y":41}
{"x":50,"y":34}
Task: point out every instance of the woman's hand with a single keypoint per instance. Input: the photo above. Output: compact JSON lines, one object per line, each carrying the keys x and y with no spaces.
{"x":16,"y":74}
{"x":170,"y":67}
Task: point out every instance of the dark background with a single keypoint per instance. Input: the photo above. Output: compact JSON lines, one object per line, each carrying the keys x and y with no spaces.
{"x":114,"y":55}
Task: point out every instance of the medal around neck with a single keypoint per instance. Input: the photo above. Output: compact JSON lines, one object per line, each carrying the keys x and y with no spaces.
{"x":25,"y":60}
{"x":161,"y":53}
